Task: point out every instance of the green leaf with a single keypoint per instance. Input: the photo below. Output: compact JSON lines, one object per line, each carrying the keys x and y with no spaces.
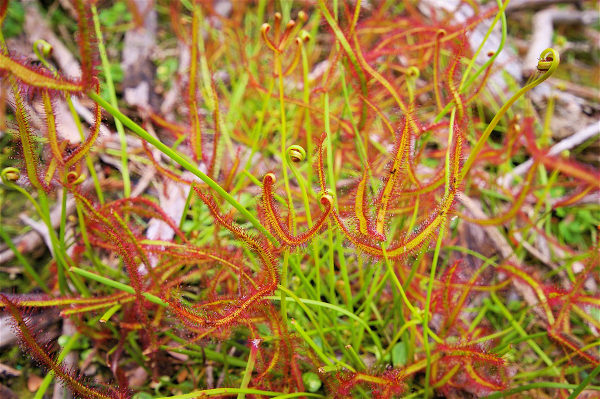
{"x":311,"y":381}
{"x":142,"y":395}
{"x":110,"y":17}
{"x":166,"y":69}
{"x":399,"y":354}
{"x":15,"y":17}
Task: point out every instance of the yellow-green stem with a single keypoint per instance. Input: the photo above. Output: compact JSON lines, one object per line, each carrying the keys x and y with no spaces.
{"x":113,"y":101}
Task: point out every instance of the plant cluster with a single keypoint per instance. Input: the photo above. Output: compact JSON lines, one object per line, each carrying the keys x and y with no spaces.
{"x":331,"y":160}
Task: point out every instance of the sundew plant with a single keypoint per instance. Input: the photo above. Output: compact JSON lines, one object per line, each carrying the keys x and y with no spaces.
{"x":294,"y":216}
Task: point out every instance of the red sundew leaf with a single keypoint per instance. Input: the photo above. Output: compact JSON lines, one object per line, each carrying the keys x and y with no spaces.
{"x":109,"y":230}
{"x":522,"y":275}
{"x":261,"y":247}
{"x":472,"y":352}
{"x":112,"y":300}
{"x":365,"y":224}
{"x":561,"y":297}
{"x":452,"y":74}
{"x":176,"y":22}
{"x":134,"y":244}
{"x":474,"y":93}
{"x":216,"y":127}
{"x":479,"y":372}
{"x":279,"y":358}
{"x":36,"y":77}
{"x":227,"y":185}
{"x":27,"y":143}
{"x":395,"y":39}
{"x":3,"y":9}
{"x":175,"y":129}
{"x":568,"y":343}
{"x":86,"y":40}
{"x":413,"y":241}
{"x":396,"y":168}
{"x":384,"y":385}
{"x":443,"y":298}
{"x":295,"y":60}
{"x":40,"y":354}
{"x":483,"y":382}
{"x":572,"y":168}
{"x":51,"y":127}
{"x":515,"y":207}
{"x":106,"y":221}
{"x":343,"y":124}
{"x":229,"y":312}
{"x":192,"y":254}
{"x":146,"y":208}
{"x":453,"y":32}
{"x":42,"y":300}
{"x":274,"y":220}
{"x":413,"y":37}
{"x":592,"y":262}
{"x":195,"y":137}
{"x":86,"y":146}
{"x":576,"y":196}
{"x":162,"y":170}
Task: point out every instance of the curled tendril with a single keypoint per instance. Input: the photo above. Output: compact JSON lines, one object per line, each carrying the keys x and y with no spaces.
{"x":549,"y":61}
{"x":42,"y":50}
{"x":436,"y":64}
{"x":290,"y":30}
{"x":304,"y":35}
{"x":326,"y":199}
{"x":289,"y":26}
{"x":10,"y":175}
{"x":74,"y":178}
{"x":302,"y":16}
{"x":270,"y":178}
{"x":281,"y":39}
{"x":264,"y":29}
{"x":43,"y":46}
{"x":295,"y":154}
{"x":413,"y":72}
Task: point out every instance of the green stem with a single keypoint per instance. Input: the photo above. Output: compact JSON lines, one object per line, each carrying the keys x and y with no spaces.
{"x":554,"y":60}
{"x":113,"y":101}
{"x":248,"y":370}
{"x":311,"y":343}
{"x":523,"y":333}
{"x":50,"y":376}
{"x":339,"y":309}
{"x":464,"y":84}
{"x":28,"y":268}
{"x":537,"y":385}
{"x":331,"y":20}
{"x":117,"y":285}
{"x":175,"y":156}
{"x":436,"y":254}
{"x":88,"y":159}
{"x":234,"y":391}
{"x":584,"y":383}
